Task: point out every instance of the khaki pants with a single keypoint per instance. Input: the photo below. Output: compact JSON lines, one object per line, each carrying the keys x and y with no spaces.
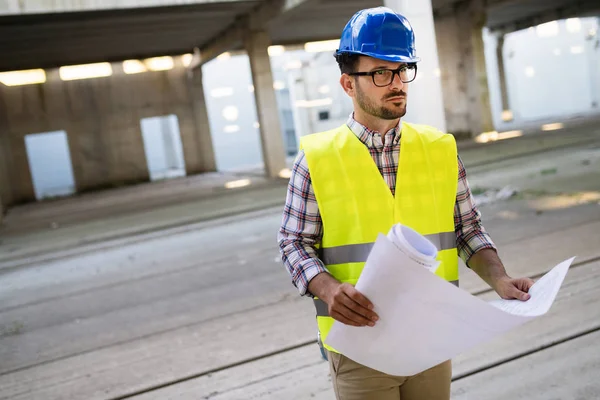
{"x":353,"y":381}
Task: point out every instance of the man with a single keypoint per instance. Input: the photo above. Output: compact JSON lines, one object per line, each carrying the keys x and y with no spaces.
{"x":351,"y":183}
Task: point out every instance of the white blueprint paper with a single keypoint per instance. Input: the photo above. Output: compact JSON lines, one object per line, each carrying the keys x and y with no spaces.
{"x":424,"y":320}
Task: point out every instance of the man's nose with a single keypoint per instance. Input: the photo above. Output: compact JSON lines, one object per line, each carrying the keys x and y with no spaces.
{"x":397,"y":83}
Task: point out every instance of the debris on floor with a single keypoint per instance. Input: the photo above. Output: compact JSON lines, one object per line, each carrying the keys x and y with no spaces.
{"x":493,"y":195}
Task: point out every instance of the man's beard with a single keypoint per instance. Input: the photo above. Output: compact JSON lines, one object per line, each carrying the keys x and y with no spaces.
{"x":380,"y":111}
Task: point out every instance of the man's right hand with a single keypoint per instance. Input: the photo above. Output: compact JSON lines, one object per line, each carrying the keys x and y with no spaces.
{"x":345,"y":303}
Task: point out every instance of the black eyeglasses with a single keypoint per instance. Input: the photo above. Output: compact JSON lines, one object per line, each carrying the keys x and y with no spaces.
{"x":384,"y":77}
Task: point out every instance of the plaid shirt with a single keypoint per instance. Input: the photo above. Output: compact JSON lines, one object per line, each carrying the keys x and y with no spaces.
{"x":302,"y":228}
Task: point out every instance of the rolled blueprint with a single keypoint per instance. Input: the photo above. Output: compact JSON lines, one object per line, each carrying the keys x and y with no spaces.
{"x":424,"y":320}
{"x":416,"y":247}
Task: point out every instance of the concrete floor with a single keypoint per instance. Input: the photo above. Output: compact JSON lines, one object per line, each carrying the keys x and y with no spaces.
{"x":164,"y":296}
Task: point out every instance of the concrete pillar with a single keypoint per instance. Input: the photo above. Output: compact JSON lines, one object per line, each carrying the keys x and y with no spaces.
{"x":425,"y":99}
{"x":6,"y":199}
{"x":478,"y":83}
{"x":593,"y":56}
{"x":257,"y":43}
{"x":502,"y":73}
{"x":206,"y":154}
{"x":463,"y":69}
{"x":3,"y":182}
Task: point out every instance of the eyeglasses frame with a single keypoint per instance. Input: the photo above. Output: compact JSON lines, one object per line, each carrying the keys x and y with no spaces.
{"x":394,"y":73}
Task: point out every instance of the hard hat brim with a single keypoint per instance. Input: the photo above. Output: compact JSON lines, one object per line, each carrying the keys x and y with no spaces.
{"x":385,"y":57}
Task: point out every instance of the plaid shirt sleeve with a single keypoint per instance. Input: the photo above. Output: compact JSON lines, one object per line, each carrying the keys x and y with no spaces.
{"x":301,"y":228}
{"x":470,"y":234}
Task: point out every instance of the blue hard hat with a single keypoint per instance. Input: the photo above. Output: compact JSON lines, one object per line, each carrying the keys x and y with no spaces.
{"x":379,"y":33}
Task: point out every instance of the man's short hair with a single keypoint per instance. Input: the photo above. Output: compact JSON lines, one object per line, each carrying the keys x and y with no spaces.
{"x":347,"y":62}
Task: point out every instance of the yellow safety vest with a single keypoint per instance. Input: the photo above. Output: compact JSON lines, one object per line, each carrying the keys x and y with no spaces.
{"x":356,"y":204}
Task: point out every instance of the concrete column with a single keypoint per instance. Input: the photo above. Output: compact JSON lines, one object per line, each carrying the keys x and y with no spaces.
{"x":206,"y":155}
{"x":463,"y":69}
{"x":3,"y":182}
{"x":593,"y":52}
{"x":425,"y":99}
{"x":303,"y":124}
{"x":257,"y":43}
{"x":6,"y":199}
{"x":481,"y":118}
{"x":502,"y":73}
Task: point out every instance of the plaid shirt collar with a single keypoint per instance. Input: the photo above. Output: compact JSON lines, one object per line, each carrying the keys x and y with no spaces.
{"x":366,"y":135}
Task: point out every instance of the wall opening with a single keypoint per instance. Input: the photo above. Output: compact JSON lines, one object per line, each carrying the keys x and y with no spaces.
{"x":50,"y":164}
{"x":162,"y":145}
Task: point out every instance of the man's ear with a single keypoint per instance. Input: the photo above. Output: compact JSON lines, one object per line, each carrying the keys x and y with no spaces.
{"x":347,"y":83}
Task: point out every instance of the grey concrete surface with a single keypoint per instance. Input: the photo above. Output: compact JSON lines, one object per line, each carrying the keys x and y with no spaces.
{"x":74,"y":227}
{"x":567,"y":371}
{"x":206,"y":310}
{"x":298,"y":374}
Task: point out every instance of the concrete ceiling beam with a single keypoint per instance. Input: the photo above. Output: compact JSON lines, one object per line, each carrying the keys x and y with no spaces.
{"x":233,"y":35}
{"x":574,"y":9}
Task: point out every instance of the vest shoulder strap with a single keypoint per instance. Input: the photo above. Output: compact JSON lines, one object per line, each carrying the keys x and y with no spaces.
{"x":315,"y":141}
{"x":319,"y":142}
{"x":428,"y":133}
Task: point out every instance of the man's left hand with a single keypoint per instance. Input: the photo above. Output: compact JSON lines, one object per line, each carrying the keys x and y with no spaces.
{"x":510,"y":288}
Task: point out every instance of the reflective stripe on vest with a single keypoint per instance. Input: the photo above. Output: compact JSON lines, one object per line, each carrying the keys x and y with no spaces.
{"x":352,"y":253}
